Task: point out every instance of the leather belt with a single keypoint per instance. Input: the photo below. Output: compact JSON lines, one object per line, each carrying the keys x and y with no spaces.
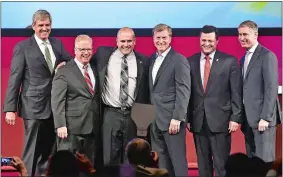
{"x":120,"y":108}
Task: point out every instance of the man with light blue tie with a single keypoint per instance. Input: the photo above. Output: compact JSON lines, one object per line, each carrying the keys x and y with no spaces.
{"x":260,"y":87}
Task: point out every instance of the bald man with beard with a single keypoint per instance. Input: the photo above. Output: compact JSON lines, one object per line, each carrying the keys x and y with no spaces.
{"x":123,"y":77}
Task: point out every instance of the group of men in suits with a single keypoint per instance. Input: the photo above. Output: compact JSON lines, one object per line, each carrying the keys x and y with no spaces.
{"x":91,"y":97}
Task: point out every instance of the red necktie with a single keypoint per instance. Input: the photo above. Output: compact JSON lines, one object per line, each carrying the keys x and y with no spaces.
{"x":87,"y":79}
{"x":206,"y":72}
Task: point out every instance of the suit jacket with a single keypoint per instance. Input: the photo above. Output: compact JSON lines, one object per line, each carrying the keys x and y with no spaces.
{"x":222,"y":101}
{"x":101,"y":59}
{"x":72,"y":103}
{"x":29,"y":71}
{"x":170,"y":93}
{"x":260,"y":87}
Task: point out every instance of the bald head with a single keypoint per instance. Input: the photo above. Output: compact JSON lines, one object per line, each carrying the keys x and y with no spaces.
{"x":126,"y":30}
{"x":126,"y":40}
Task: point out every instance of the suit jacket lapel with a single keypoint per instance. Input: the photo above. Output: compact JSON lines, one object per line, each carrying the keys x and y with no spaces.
{"x":103,"y":63}
{"x":139,"y":73}
{"x":253,"y":59}
{"x":57,"y":61}
{"x":214,"y":68}
{"x":152,"y":60}
{"x":95,"y":77}
{"x":36,"y":51}
{"x":198,"y":72}
{"x":79,"y":75}
{"x":164,"y":64}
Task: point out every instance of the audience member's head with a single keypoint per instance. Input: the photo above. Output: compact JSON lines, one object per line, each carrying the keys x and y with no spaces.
{"x":139,"y":152}
{"x":62,"y":164}
{"x":240,"y":165}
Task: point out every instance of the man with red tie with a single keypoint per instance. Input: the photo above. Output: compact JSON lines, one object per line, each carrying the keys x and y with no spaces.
{"x":214,"y":110}
{"x":75,"y":102}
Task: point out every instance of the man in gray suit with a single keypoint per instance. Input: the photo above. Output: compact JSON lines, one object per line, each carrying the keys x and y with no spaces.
{"x":260,"y":87}
{"x":170,"y":84}
{"x":29,"y":91}
{"x":215,"y":107}
{"x":75,"y":101}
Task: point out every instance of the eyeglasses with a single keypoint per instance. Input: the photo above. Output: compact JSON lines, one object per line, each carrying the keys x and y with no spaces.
{"x":85,"y":49}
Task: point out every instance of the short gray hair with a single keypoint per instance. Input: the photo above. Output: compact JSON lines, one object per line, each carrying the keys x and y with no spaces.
{"x":161,"y":27}
{"x":250,"y":24}
{"x":40,"y":15}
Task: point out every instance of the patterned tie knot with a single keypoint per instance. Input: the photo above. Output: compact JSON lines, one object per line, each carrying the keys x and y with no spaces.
{"x":85,"y":67}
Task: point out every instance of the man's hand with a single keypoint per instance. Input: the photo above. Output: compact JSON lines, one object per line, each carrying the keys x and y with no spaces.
{"x":10,"y":118}
{"x":60,"y":65}
{"x":62,"y":132}
{"x":262,"y":125}
{"x":189,"y":126}
{"x":233,"y":126}
{"x":174,"y":127}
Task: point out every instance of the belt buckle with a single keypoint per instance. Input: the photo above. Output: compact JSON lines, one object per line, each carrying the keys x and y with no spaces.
{"x":123,"y":108}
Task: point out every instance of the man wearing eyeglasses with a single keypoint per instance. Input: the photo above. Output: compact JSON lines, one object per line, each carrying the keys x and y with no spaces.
{"x":123,"y":81}
{"x":74,"y":102}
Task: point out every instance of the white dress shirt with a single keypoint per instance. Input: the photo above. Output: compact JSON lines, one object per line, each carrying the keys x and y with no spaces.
{"x":202,"y":63}
{"x":111,"y":90}
{"x":248,"y":57}
{"x":158,"y":62}
{"x":42,"y":49}
{"x":89,"y":70}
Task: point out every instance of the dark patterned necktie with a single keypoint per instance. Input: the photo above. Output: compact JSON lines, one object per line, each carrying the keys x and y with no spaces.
{"x":124,"y":82}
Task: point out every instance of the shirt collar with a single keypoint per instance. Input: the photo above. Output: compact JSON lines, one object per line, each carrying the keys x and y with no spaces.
{"x":39,"y":41}
{"x":164,"y":54}
{"x":121,"y":55}
{"x":80,"y":65}
{"x":210,"y":55}
{"x":252,"y":49}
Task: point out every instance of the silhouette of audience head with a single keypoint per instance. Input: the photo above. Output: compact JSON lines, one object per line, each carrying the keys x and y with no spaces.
{"x":63,"y":164}
{"x":240,"y":165}
{"x":139,"y":152}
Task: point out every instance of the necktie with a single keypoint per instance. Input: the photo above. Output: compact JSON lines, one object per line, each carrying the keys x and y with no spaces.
{"x":48,"y":57}
{"x":246,"y":63}
{"x":206,"y":72}
{"x":87,"y":79}
{"x":124,"y":82}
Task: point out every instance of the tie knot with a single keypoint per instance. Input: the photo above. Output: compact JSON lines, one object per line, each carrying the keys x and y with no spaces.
{"x":207,"y":57}
{"x":85,"y":66}
{"x":45,"y":43}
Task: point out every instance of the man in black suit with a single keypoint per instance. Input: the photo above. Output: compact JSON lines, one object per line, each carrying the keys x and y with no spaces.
{"x":170,"y":89}
{"x":260,"y":91}
{"x":29,"y":90}
{"x":214,"y":110}
{"x":123,"y":77}
{"x":75,"y":102}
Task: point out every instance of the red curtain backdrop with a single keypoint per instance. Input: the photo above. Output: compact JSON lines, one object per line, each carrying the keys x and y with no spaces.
{"x":12,"y":136}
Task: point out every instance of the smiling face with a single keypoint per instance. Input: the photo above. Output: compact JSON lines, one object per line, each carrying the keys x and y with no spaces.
{"x":126,"y":40}
{"x":162,"y":40}
{"x":42,"y":28}
{"x":83,"y":50}
{"x":208,"y":42}
{"x":247,"y":37}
